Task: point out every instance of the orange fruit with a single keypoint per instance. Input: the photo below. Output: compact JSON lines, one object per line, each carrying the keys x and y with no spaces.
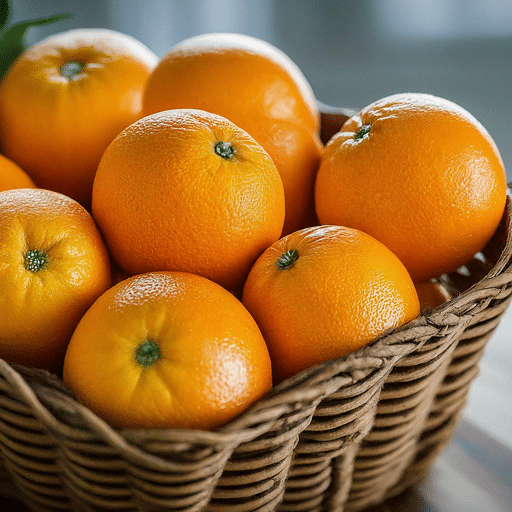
{"x":296,"y":153}
{"x":65,"y":99}
{"x":323,"y":292}
{"x":167,"y":350}
{"x":13,"y":176}
{"x":235,"y":76}
{"x":260,"y":89}
{"x":420,"y":174}
{"x":432,"y":294}
{"x":53,"y":265}
{"x":188,"y":190}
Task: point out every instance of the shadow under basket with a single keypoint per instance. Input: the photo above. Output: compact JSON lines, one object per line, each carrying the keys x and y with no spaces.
{"x":340,"y":436}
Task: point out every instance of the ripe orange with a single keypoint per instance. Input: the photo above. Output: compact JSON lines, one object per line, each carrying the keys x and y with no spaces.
{"x":420,"y":174}
{"x":323,"y":292}
{"x":65,"y":99}
{"x":235,"y":76}
{"x":188,"y":190}
{"x":13,"y":176}
{"x":167,"y":350}
{"x":260,"y":89}
{"x":296,"y":153}
{"x":53,"y":265}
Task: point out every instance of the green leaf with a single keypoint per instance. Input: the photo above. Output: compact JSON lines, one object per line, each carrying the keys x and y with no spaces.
{"x":5,"y":13}
{"x":12,"y":40}
{"x":9,"y":51}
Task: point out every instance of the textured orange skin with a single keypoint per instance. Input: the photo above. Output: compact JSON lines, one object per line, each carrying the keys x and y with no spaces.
{"x":427,"y":181}
{"x":56,"y":128}
{"x":165,"y":200}
{"x":296,"y":153}
{"x":214,"y":362}
{"x":344,"y":290}
{"x":233,"y":75}
{"x":41,"y":309}
{"x":257,"y":87}
{"x":13,"y":176}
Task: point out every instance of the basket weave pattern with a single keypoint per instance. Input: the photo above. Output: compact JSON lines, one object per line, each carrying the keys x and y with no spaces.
{"x":338,"y":437}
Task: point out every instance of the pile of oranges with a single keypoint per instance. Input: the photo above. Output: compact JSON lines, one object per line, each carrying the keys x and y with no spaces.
{"x":175,"y":239}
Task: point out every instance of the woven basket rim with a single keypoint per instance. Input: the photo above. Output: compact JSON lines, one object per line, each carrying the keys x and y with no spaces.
{"x":63,"y":415}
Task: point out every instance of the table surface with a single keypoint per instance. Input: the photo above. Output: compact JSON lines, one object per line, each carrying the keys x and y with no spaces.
{"x":473,"y":474}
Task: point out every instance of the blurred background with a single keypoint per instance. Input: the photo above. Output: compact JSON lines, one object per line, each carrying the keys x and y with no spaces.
{"x":354,"y":53}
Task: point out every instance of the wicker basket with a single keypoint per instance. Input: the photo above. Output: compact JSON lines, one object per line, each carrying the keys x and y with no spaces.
{"x":338,"y":437}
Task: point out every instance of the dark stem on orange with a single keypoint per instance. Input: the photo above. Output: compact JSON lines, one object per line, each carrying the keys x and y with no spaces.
{"x":287,"y":260}
{"x":365,"y":130}
{"x":71,"y":68}
{"x":224,"y":150}
{"x":147,"y":353}
{"x":35,"y":260}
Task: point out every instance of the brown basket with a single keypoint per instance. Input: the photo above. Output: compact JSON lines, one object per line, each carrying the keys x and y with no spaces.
{"x":340,"y":436}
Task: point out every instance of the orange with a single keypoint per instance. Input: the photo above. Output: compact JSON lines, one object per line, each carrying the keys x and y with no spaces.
{"x":13,"y":176}
{"x":432,"y":294}
{"x":167,"y":350}
{"x":296,"y":153}
{"x":188,"y":190}
{"x":53,"y":265}
{"x":260,"y":89}
{"x":420,"y":174}
{"x":233,"y":75}
{"x":323,"y":292}
{"x":65,"y":99}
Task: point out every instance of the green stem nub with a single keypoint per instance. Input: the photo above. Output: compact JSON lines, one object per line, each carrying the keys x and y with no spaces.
{"x":35,"y":260}
{"x":147,"y":353}
{"x":224,"y":150}
{"x":71,"y":68}
{"x":365,"y":130}
{"x":288,"y":259}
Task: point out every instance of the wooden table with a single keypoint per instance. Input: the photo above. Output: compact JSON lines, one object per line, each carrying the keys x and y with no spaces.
{"x":473,"y":474}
